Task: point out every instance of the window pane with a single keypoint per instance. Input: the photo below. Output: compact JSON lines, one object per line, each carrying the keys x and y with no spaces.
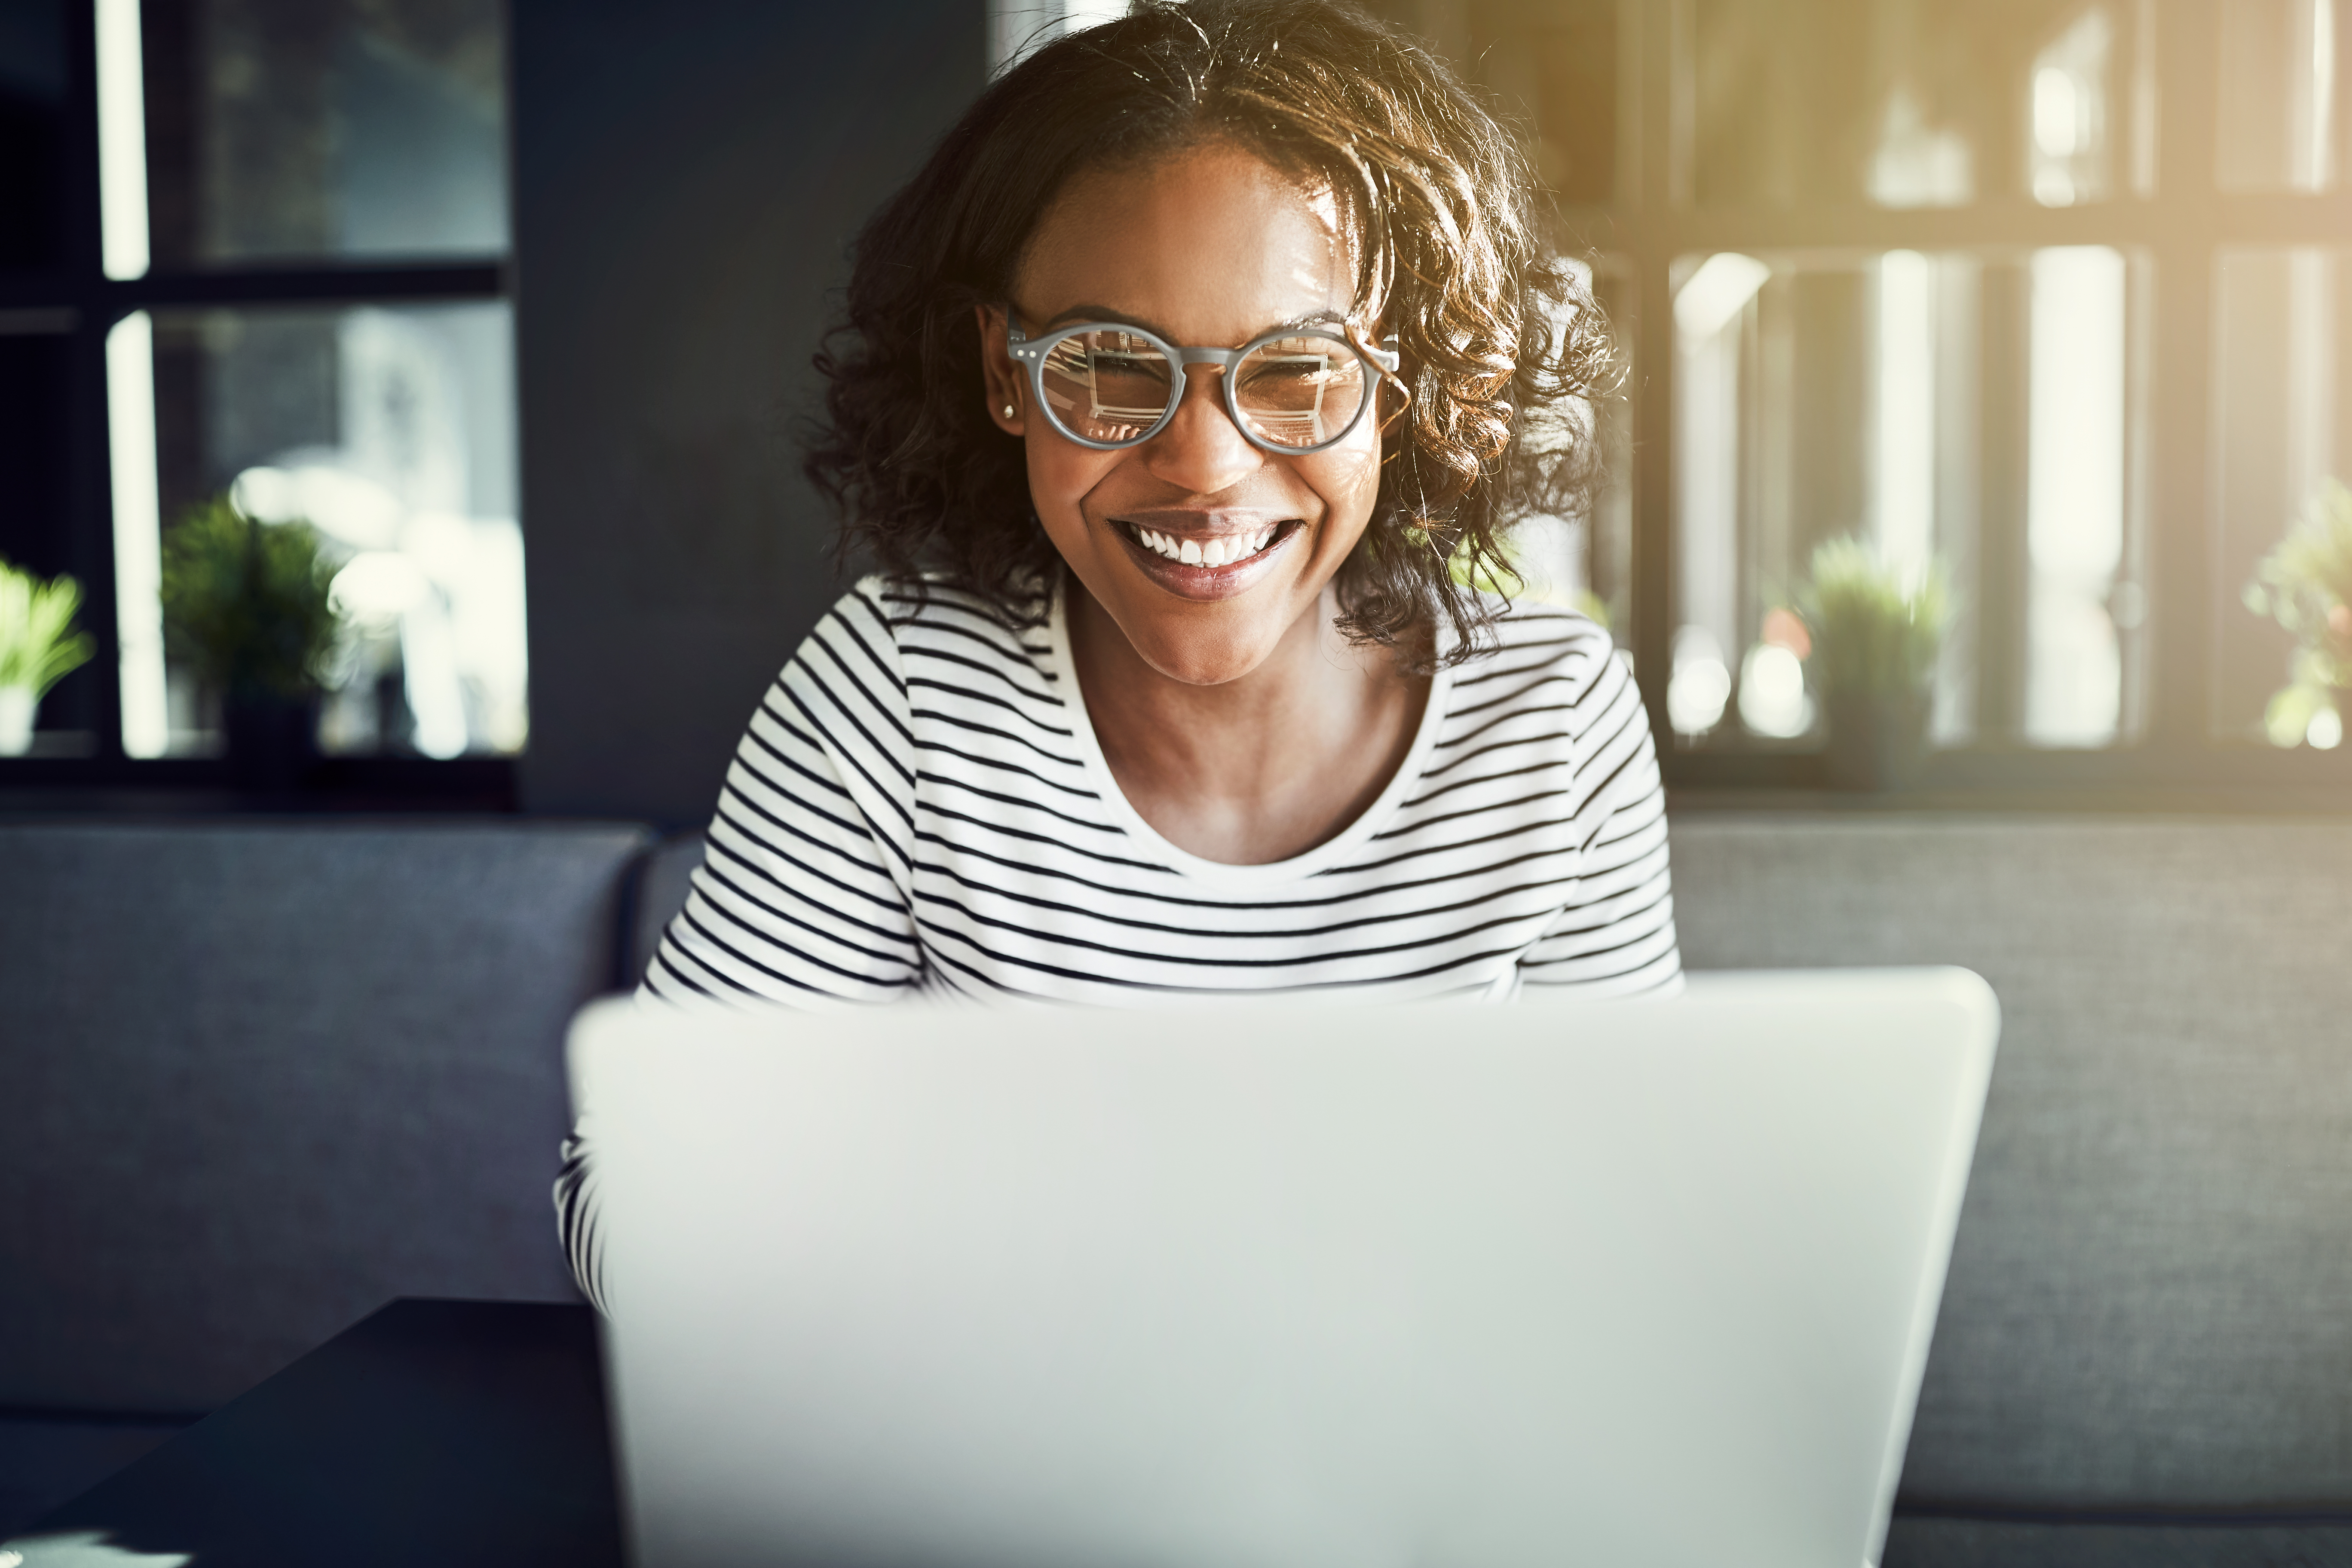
{"x":1552,"y":69}
{"x":1554,"y":65}
{"x":1831,"y":101}
{"x":2071,"y":108}
{"x":2278,"y":116}
{"x":319,"y":128}
{"x":2284,"y":406}
{"x":1813,"y":399}
{"x":33,"y":91}
{"x":392,"y":431}
{"x":36,"y":370}
{"x":2074,"y":499}
{"x":1586,"y":564}
{"x":1818,"y":396}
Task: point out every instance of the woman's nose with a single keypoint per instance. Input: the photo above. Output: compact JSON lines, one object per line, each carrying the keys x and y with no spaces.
{"x":1202,"y":451}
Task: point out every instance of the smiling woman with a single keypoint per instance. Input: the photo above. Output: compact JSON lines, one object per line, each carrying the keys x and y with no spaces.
{"x":1181,"y":393}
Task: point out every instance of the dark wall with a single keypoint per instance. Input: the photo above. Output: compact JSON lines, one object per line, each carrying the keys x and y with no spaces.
{"x":687,"y":177}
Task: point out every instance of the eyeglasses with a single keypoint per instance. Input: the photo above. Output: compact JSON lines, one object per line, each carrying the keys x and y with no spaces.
{"x":1109,"y":386}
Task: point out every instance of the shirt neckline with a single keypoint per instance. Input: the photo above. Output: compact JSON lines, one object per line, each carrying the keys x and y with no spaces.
{"x":1325,"y":855}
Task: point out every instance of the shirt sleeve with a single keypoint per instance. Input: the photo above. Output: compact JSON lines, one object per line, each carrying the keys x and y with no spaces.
{"x":802,"y":896}
{"x":1615,"y":936}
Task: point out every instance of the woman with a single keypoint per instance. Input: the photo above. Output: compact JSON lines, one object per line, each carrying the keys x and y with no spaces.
{"x":1181,"y":392}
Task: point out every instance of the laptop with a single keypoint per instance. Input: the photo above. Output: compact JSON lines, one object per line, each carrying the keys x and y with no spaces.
{"x":1280,"y":1285}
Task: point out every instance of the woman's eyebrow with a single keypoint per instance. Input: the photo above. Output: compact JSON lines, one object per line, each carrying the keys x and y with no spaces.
{"x":1328,"y":316}
{"x":1105,"y":314}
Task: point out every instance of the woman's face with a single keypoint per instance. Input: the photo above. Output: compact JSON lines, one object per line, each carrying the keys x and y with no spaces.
{"x":1208,"y":250}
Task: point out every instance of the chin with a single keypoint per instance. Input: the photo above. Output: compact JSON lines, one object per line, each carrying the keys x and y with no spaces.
{"x":1202,"y":656}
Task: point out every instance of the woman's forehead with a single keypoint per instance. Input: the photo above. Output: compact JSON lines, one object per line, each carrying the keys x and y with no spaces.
{"x":1211,"y":244}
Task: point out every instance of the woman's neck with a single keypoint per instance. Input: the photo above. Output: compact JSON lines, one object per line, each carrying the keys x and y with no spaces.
{"x":1257,"y":769}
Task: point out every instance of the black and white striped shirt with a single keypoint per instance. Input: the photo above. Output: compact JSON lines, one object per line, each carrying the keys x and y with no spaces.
{"x":920,"y":804}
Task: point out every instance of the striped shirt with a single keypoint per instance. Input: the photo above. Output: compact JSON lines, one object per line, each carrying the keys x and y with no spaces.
{"x":920,"y":805}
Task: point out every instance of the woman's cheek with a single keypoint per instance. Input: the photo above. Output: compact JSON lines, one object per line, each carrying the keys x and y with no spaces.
{"x":1060,"y":476}
{"x":1349,"y":484}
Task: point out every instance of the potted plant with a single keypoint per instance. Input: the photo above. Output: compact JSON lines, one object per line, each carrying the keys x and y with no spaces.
{"x":246,"y":606}
{"x":38,"y":647}
{"x":2306,"y":585}
{"x":1877,"y":634}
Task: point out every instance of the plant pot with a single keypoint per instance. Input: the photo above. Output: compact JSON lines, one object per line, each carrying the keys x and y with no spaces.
{"x":17,"y":706}
{"x":272,"y":742}
{"x":1877,"y":740}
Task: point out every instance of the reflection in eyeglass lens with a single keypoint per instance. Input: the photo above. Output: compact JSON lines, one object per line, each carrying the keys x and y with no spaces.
{"x":1113,"y":386}
{"x":1299,"y":391}
{"x":1106,"y":386}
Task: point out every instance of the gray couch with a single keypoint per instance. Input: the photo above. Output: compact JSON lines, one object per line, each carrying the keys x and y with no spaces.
{"x":264,"y":1078}
{"x":2149,"y":1311}
{"x":259,"y":1080}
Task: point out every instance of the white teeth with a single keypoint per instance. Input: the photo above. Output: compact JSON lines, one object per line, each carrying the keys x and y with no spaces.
{"x":1212,"y":552}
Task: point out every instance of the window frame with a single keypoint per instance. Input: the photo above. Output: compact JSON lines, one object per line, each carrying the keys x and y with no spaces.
{"x":2173,"y":237}
{"x":76,"y":299}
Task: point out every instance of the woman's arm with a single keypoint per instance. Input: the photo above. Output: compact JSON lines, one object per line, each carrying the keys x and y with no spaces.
{"x":801,"y":899}
{"x":1616,"y":935}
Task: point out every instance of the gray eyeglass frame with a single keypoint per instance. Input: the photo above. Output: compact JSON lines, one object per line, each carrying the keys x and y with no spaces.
{"x":1030,"y":353}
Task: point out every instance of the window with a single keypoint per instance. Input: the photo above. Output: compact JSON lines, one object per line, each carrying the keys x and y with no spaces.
{"x":264,"y":259}
{"x":2054,"y":295}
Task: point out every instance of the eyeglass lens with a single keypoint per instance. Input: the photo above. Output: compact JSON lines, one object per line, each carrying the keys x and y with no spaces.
{"x":1112,"y":386}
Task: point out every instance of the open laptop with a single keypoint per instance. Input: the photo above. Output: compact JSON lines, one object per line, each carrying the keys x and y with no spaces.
{"x":1284,"y":1286}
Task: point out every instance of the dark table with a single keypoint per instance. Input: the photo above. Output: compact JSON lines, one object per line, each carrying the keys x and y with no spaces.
{"x":445,"y":1434}
{"x":431,"y":1434}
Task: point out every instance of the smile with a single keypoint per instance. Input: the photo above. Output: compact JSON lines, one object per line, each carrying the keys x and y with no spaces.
{"x":1212,"y":566}
{"x":1222,"y":551}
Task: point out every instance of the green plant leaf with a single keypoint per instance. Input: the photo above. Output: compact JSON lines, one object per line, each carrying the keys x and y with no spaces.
{"x":2306,"y":585}
{"x":1875,"y":633}
{"x":38,"y":643}
{"x":246,"y":603}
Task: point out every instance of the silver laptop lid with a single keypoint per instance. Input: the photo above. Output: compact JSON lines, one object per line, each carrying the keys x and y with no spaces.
{"x":1281,"y":1286}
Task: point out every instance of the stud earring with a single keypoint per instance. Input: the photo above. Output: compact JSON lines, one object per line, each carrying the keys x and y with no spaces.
{"x":1010,"y":411}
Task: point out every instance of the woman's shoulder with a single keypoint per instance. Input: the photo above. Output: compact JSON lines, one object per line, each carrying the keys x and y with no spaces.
{"x":889,"y":618}
{"x":917,"y":607}
{"x":1548,"y":642}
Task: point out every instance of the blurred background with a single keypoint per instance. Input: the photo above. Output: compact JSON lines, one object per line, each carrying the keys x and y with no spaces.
{"x":501,"y":315}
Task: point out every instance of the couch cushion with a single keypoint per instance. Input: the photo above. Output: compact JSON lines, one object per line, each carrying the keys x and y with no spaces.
{"x":2150,"y":1300}
{"x":2200,"y":1544}
{"x":262,"y":1078}
{"x":661,"y":891}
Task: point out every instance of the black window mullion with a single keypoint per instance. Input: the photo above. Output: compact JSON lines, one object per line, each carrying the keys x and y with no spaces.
{"x":90,"y":490}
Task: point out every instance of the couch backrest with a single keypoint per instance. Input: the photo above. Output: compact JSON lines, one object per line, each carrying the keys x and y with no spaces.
{"x":662,"y":888}
{"x":2150,"y":1303}
{"x":257,"y":1079}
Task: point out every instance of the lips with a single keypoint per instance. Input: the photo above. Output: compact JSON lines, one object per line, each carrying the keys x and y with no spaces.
{"x":1206,"y":566}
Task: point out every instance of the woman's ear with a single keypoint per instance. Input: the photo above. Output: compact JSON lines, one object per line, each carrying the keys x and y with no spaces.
{"x":1000,"y":378}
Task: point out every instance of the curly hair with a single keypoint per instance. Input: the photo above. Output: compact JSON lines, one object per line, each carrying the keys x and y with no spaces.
{"x":1503,"y":347}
